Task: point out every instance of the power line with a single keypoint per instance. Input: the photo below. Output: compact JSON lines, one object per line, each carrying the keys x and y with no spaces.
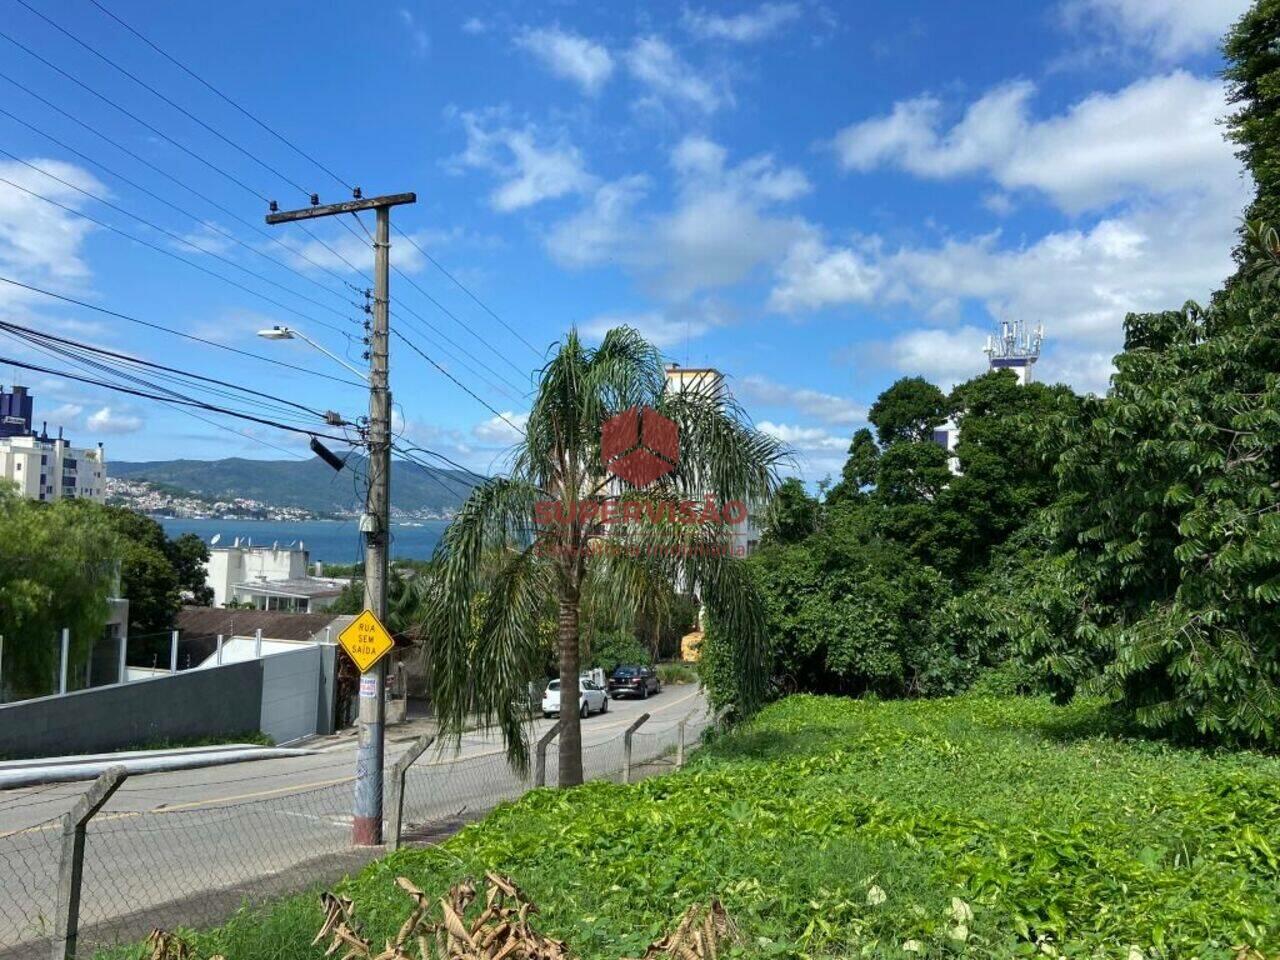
{"x":180,"y":239}
{"x":463,"y":287}
{"x":449,"y":484}
{"x":171,"y":254}
{"x":399,"y":314}
{"x":416,"y":349}
{"x":202,"y":221}
{"x":178,"y":333}
{"x":146,"y":86}
{"x":290,"y":144}
{"x":36,"y":368}
{"x":273,"y":237}
{"x":138,"y":361}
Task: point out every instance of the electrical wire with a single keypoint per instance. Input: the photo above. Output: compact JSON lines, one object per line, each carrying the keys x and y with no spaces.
{"x":201,"y":221}
{"x":103,"y":351}
{"x":195,"y":76}
{"x":450,"y":485}
{"x":420,"y":352}
{"x":179,"y":333}
{"x":268,"y":235}
{"x":179,"y":239}
{"x":463,"y":287}
{"x":212,"y":408}
{"x":172,"y":255}
{"x":146,"y":86}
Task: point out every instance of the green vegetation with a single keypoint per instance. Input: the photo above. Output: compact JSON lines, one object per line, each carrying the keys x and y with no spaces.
{"x":677,"y":673}
{"x":256,"y":737}
{"x":834,"y":827}
{"x":60,"y":561}
{"x":547,"y":534}
{"x":1125,"y":546}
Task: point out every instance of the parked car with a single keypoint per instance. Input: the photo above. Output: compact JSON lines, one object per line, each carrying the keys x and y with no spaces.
{"x":592,"y":698}
{"x":634,"y":680}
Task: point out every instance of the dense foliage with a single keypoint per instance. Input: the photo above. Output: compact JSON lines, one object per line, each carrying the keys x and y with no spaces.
{"x":841,"y":828}
{"x":60,"y":561}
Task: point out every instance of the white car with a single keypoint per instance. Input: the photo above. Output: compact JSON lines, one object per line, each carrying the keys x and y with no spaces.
{"x":592,"y":698}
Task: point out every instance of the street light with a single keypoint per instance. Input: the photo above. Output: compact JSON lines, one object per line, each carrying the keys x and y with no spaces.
{"x":289,"y":333}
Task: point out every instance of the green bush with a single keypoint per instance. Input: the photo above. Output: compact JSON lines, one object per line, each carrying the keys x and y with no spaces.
{"x":677,"y":673}
{"x":612,"y":647}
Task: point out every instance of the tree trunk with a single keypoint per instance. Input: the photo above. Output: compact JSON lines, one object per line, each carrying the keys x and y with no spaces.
{"x":570,"y":723}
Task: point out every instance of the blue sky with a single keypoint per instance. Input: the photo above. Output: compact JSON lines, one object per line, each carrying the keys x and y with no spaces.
{"x":817,"y":198}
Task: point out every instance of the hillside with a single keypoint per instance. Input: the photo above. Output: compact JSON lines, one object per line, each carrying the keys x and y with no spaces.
{"x":305,"y":484}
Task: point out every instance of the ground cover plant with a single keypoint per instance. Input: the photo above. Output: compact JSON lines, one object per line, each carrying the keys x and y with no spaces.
{"x":970,"y":826}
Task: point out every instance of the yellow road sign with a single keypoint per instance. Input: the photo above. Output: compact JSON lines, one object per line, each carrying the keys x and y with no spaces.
{"x":366,"y":641}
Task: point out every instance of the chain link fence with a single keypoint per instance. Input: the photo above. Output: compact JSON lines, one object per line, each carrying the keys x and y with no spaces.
{"x":153,"y":859}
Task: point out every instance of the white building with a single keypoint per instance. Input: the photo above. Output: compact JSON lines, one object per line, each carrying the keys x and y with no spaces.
{"x":710,"y":381}
{"x":44,"y":467}
{"x":268,"y":578}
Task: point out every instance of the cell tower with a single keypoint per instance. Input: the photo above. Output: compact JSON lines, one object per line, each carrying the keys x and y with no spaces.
{"x":1015,"y":347}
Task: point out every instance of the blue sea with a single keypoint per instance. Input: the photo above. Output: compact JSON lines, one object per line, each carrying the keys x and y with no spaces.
{"x":329,"y":541}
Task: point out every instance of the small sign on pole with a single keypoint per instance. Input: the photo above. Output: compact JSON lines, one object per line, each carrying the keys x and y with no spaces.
{"x":366,"y":641}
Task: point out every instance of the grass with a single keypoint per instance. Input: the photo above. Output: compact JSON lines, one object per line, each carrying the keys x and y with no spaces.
{"x":829,"y":827}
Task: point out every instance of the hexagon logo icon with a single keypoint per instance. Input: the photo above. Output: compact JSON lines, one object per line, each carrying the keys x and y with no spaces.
{"x":639,"y":445}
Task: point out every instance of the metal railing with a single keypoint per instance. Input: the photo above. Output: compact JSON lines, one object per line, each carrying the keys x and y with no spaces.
{"x":115,"y":865}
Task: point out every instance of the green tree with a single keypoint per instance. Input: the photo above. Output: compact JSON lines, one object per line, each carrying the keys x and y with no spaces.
{"x":859,"y":471}
{"x":550,"y":529}
{"x":189,"y":554}
{"x":56,"y":571}
{"x":908,"y":410}
{"x":1253,"y":84}
{"x":792,"y":514}
{"x":1170,"y":515}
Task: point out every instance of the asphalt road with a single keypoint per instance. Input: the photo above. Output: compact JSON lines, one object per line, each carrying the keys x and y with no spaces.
{"x":188,"y":846}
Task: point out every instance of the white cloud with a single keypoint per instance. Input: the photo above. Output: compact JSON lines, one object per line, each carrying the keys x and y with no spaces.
{"x":500,"y":430}
{"x":814,"y":276}
{"x":601,"y":230}
{"x":474,"y":26}
{"x":661,"y":328}
{"x":1158,"y":135}
{"x":39,"y":243}
{"x":803,"y":438}
{"x":570,"y":56}
{"x":943,"y":356}
{"x":826,"y":407}
{"x":419,"y":39}
{"x":110,"y":420}
{"x":655,"y":63}
{"x":748,"y":27}
{"x":1168,"y":29}
{"x":722,"y":226}
{"x":531,"y":170}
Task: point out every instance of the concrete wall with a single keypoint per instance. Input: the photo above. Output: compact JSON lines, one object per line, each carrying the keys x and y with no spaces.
{"x":196,"y":703}
{"x":287,"y":696}
{"x":290,"y":689}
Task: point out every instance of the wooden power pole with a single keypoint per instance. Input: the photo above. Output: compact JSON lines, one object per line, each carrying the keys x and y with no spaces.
{"x":375,"y":524}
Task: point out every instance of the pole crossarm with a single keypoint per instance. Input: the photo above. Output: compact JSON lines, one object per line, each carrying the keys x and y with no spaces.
{"x":349,"y":206}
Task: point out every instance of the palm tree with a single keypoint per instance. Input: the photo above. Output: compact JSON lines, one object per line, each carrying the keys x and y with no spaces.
{"x":551,"y":533}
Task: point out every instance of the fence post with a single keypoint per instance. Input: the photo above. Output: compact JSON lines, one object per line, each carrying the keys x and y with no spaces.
{"x":257,"y":644}
{"x":626,"y":747}
{"x":219,"y":650}
{"x":396,"y":804}
{"x":124,"y":653}
{"x":173,"y":651}
{"x":540,"y":763}
{"x":66,"y":655}
{"x":680,"y":742}
{"x":1,"y":668}
{"x":71,"y":866}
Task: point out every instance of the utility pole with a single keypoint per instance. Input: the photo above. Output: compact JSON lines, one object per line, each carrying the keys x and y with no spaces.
{"x":375,"y":524}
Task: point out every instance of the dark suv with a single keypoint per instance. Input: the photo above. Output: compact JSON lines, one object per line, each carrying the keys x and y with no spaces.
{"x":633,"y":680}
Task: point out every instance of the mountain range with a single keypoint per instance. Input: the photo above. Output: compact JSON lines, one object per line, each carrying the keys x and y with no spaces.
{"x":416,"y":491}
